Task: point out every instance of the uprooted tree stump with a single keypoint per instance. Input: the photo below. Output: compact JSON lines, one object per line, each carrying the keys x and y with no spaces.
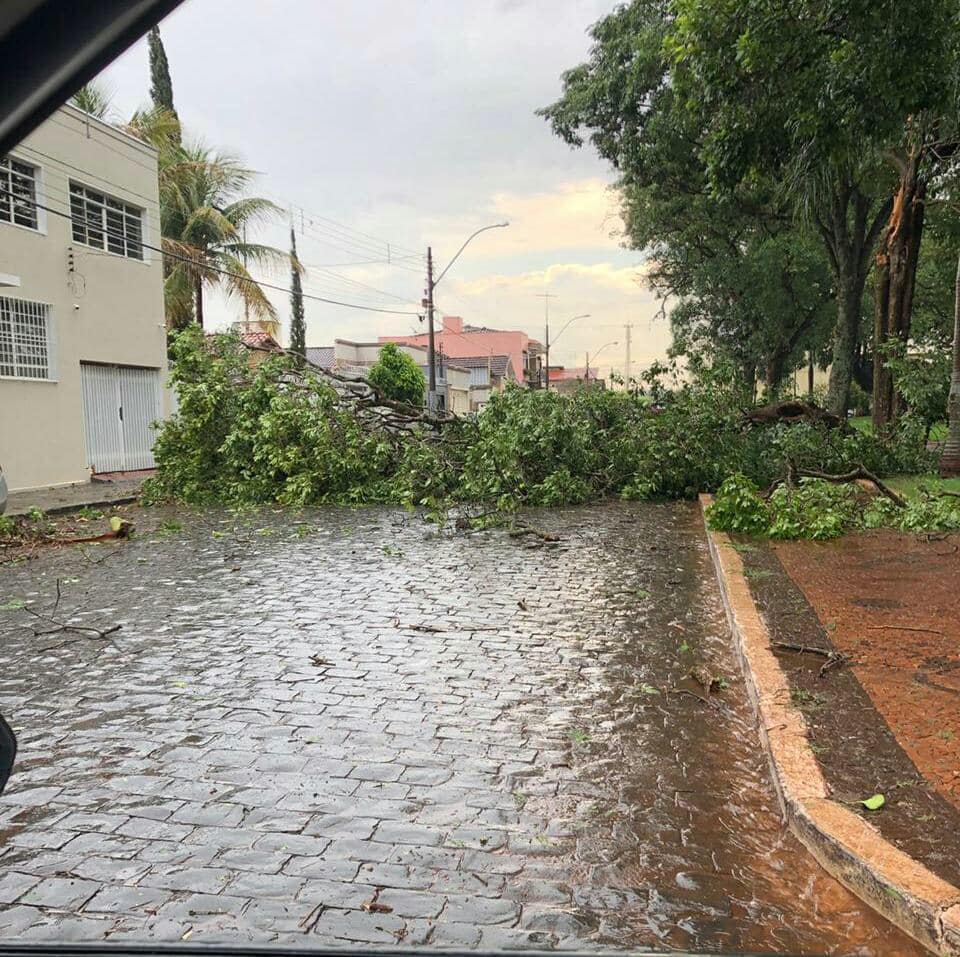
{"x":792,"y":411}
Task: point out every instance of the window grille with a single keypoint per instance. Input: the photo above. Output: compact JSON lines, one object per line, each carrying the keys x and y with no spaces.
{"x":25,"y":339}
{"x":18,"y":193}
{"x":106,"y":223}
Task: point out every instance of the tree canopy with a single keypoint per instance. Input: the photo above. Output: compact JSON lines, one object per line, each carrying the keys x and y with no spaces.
{"x":397,"y":376}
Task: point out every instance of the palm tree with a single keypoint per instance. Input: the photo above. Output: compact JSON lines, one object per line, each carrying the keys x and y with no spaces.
{"x":203,"y":215}
{"x":94,"y":99}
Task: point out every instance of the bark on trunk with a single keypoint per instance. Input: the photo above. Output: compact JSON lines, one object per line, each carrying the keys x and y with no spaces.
{"x":845,"y":336}
{"x":810,"y":375}
{"x":849,"y":240}
{"x":950,"y":460}
{"x":198,"y":300}
{"x":774,"y":373}
{"x":896,"y":271}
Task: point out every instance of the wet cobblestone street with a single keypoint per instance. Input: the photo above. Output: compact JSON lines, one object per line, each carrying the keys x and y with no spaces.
{"x":338,"y":727}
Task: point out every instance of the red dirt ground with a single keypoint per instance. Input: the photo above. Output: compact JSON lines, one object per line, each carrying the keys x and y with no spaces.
{"x":892,"y":601}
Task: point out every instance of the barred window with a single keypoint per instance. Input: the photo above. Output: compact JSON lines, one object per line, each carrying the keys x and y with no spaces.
{"x":18,"y":193}
{"x":106,"y":223}
{"x":25,"y":339}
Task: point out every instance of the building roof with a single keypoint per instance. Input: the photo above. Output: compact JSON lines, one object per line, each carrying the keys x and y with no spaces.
{"x":498,"y":364}
{"x":321,"y":356}
{"x":560,"y":373}
{"x":259,"y":340}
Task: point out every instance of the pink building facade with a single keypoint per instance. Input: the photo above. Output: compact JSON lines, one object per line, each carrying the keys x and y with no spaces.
{"x":459,"y":341}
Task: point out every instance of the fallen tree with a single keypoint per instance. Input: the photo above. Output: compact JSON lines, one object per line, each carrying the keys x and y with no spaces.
{"x":282,"y":430}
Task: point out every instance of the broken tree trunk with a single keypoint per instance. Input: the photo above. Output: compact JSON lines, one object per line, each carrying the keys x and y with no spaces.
{"x":896,"y":272}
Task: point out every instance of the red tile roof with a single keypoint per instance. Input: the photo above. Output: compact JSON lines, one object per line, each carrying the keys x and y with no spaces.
{"x":259,"y":340}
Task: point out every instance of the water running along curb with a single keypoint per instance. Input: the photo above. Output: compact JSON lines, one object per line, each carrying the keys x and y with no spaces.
{"x":846,"y":846}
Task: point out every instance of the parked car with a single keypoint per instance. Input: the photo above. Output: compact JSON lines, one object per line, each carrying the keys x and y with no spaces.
{"x":3,"y":492}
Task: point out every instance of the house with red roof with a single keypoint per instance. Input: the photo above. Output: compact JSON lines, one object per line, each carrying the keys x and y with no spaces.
{"x":458,"y":340}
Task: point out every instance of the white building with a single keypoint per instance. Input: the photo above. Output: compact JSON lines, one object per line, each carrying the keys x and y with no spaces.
{"x":355,"y":358}
{"x":82,"y":334}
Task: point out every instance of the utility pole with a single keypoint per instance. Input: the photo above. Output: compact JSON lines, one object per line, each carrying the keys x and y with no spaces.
{"x":587,"y":373}
{"x":546,"y":297}
{"x":626,"y":363}
{"x":431,"y":357}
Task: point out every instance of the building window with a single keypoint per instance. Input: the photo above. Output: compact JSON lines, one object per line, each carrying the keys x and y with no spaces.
{"x":106,"y":223}
{"x":18,"y":193}
{"x":25,"y":339}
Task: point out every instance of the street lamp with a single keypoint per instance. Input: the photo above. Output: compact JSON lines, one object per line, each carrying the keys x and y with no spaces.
{"x":546,"y":342}
{"x":604,"y":346}
{"x":431,"y":285}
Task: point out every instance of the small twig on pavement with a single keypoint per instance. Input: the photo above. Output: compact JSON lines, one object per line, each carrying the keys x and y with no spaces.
{"x":62,"y":626}
{"x":699,"y":697}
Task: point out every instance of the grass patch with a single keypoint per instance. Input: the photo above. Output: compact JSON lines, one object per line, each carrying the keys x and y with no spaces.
{"x":864,"y":424}
{"x":909,"y":485}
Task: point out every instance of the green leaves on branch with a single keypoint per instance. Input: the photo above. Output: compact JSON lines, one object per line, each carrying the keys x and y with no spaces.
{"x":252,"y":434}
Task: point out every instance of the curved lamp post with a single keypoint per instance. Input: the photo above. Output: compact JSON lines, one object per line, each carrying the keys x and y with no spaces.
{"x":546,"y":344}
{"x":431,"y":285}
{"x":604,"y":346}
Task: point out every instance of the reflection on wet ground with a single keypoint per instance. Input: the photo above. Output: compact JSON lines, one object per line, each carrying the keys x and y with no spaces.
{"x":338,"y":727}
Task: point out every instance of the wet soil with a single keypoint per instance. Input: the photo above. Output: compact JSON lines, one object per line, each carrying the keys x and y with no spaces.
{"x":301,"y":709}
{"x":865,"y":717}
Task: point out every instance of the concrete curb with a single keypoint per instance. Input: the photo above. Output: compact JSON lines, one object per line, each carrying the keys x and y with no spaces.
{"x":845,"y":844}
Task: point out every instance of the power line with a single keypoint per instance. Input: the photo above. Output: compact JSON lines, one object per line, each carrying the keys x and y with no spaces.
{"x":342,"y":227}
{"x":208,"y":268}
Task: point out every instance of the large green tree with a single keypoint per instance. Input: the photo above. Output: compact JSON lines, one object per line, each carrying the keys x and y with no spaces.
{"x":298,"y":325}
{"x":751,"y":284}
{"x":849,"y":105}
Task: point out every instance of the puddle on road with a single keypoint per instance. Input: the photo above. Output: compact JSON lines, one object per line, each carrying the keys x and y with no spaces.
{"x":680,"y":842}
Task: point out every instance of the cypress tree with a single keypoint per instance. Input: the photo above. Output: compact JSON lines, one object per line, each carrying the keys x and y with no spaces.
{"x":298,"y":325}
{"x":161,"y":89}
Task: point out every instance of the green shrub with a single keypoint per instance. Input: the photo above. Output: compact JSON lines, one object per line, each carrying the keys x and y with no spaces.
{"x":812,"y":509}
{"x":738,"y":507}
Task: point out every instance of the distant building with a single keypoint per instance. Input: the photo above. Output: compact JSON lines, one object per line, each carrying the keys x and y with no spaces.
{"x":488,"y":374}
{"x":83,"y":350}
{"x":355,"y":358}
{"x":565,"y":379}
{"x":459,"y":341}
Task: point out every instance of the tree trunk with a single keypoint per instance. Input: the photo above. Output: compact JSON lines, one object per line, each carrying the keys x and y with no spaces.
{"x":896,"y":265}
{"x":810,"y":375}
{"x":849,"y":240}
{"x":774,"y":373}
{"x":198,"y":300}
{"x":845,"y":337}
{"x":950,"y":460}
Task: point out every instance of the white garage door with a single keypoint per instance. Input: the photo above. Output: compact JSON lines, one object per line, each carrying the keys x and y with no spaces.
{"x":120,"y":404}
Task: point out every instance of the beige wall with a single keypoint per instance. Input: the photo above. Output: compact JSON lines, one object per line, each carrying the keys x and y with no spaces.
{"x":109,"y":310}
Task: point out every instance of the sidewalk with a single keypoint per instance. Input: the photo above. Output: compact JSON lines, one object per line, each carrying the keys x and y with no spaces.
{"x":881,"y":722}
{"x":105,"y":491}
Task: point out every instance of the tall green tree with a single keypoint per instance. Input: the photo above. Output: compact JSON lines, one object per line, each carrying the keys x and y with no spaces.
{"x":161,"y":86}
{"x":298,"y":325}
{"x":752,"y":285}
{"x":842,"y":102}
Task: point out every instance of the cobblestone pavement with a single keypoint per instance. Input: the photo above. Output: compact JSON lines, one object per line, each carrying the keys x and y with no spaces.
{"x":338,"y":727}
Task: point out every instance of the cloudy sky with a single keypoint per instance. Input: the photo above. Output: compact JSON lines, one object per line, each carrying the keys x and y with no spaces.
{"x":384,"y":126}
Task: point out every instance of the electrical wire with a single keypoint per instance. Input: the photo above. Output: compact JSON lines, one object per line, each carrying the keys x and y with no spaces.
{"x":223,"y":272}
